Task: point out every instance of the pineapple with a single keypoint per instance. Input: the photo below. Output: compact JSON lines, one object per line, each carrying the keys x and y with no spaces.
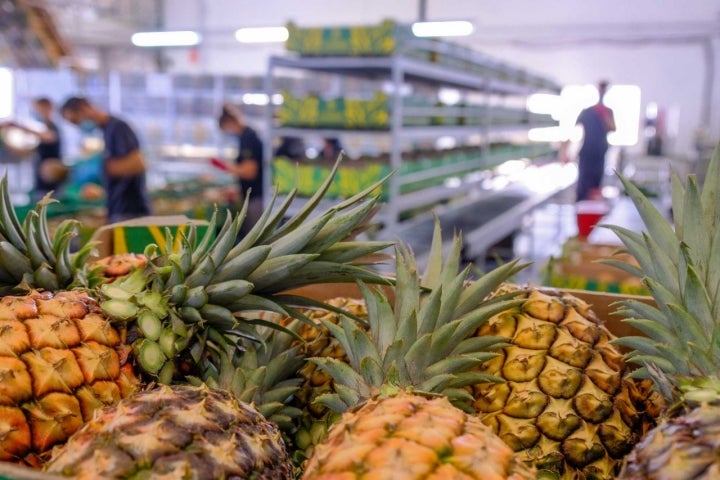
{"x":398,"y":421}
{"x":179,"y":432}
{"x":565,"y":406}
{"x":246,"y":445}
{"x":60,"y":360}
{"x":680,"y":351}
{"x":172,"y":318}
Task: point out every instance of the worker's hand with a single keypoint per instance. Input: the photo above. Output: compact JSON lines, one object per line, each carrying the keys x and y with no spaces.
{"x":564,"y":158}
{"x":92,"y":192}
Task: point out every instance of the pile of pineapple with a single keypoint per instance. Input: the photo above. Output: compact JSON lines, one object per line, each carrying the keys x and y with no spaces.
{"x":208,"y":363}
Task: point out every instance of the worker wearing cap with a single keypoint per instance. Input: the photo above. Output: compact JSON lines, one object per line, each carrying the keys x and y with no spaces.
{"x":248,"y":168}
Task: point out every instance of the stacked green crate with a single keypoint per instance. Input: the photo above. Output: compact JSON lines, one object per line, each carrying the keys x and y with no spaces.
{"x":374,"y":40}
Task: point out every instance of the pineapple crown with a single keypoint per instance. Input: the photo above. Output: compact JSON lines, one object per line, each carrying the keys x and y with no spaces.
{"x":198,"y":291}
{"x":423,"y":343}
{"x":681,"y":268}
{"x":264,"y":373}
{"x":32,"y":258}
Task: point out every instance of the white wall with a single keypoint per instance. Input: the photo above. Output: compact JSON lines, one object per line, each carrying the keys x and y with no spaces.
{"x":651,"y":43}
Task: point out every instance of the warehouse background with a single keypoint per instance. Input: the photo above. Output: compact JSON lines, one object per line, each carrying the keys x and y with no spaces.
{"x":671,"y":50}
{"x":665,"y":56}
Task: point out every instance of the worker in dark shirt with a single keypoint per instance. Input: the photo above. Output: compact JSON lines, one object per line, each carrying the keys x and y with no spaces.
{"x":597,"y":121}
{"x":48,"y":169}
{"x":248,"y":165}
{"x":123,"y":162}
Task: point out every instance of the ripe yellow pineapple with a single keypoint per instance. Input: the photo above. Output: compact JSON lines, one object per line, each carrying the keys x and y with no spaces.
{"x":176,"y":433}
{"x":398,"y":422}
{"x":413,"y":437}
{"x":60,"y":360}
{"x":680,"y":351}
{"x":564,"y":405}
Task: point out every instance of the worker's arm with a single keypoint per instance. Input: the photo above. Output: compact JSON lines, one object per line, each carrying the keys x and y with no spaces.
{"x":126,"y":166}
{"x":19,"y":152}
{"x":124,"y":158}
{"x":247,"y":170}
{"x":45,"y":136}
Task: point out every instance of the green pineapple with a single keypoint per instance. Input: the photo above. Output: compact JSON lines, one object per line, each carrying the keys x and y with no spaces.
{"x":184,"y":304}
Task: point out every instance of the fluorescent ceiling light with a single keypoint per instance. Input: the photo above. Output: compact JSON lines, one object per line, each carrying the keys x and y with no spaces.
{"x":179,"y":38}
{"x":453,"y":28}
{"x":261,"y":35}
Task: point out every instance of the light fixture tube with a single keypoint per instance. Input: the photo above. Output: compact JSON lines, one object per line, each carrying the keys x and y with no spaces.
{"x":451,"y":28}
{"x":261,"y":34}
{"x":178,"y":38}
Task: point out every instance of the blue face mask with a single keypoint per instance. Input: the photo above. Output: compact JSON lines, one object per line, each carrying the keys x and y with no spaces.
{"x":87,"y":126}
{"x":37,"y":117}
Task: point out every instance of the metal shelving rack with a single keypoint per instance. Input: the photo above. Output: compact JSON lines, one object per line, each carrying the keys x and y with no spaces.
{"x":399,"y":68}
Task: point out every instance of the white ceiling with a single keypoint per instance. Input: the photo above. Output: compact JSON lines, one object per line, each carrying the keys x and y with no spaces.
{"x":507,"y":21}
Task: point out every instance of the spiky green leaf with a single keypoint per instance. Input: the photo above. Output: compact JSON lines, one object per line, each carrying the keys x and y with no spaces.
{"x":656,"y":224}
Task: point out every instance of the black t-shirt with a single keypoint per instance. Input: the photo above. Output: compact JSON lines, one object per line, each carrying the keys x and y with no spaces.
{"x":250,"y":147}
{"x":126,"y":196}
{"x":45,"y":151}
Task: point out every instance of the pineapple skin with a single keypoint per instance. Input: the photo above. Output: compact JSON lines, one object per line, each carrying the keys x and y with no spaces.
{"x":318,"y":342}
{"x":60,"y":361}
{"x":565,"y":406}
{"x":177,"y":432}
{"x":407,"y":437}
{"x":682,"y":448}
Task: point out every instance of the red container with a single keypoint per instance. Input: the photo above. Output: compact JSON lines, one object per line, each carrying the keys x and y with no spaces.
{"x":589,"y":213}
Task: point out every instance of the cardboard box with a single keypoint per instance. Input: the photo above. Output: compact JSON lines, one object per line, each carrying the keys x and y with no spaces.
{"x":365,"y":40}
{"x":579,"y":268}
{"x":133,"y":236}
{"x":312,"y":111}
{"x":603,"y":304}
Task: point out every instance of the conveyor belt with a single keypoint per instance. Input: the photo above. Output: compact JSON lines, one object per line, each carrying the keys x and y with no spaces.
{"x":466,"y":218}
{"x":483,"y":221}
